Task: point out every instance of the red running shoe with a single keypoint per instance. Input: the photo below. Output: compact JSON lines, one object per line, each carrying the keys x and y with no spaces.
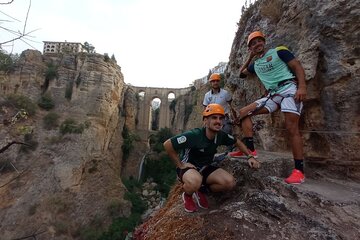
{"x":296,"y":177}
{"x":201,"y":200}
{"x":240,"y":154}
{"x":189,"y":203}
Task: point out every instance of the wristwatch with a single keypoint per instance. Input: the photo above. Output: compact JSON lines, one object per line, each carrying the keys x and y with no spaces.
{"x":249,"y":156}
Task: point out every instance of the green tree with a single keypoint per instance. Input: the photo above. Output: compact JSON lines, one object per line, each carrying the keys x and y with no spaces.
{"x":159,"y":138}
{"x":106,"y":57}
{"x":162,"y":171}
{"x":113,"y":57}
{"x":7,"y":61}
{"x":89,"y":47}
{"x":209,"y":74}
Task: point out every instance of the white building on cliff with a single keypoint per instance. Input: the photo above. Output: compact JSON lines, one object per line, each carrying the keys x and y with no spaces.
{"x":59,"y":47}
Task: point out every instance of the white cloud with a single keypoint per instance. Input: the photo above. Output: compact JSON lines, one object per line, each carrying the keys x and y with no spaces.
{"x":158,"y":43}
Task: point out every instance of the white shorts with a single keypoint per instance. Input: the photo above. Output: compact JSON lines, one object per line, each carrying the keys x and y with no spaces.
{"x":284,"y":99}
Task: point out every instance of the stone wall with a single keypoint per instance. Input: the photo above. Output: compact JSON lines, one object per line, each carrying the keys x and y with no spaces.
{"x":328,"y":50}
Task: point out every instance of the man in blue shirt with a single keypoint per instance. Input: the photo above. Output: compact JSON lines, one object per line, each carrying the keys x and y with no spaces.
{"x":284,"y":78}
{"x":220,"y":96}
{"x":223,"y":97}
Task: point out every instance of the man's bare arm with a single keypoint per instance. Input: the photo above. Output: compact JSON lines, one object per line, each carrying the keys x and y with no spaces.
{"x":174,"y":156}
{"x":253,"y":163}
{"x":296,"y":67}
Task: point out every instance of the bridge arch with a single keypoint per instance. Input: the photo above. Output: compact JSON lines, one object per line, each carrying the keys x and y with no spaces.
{"x":166,"y":96}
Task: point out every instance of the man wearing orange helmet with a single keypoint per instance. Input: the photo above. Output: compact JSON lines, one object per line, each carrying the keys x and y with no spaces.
{"x":284,"y":79}
{"x":194,"y":165}
{"x":220,"y":96}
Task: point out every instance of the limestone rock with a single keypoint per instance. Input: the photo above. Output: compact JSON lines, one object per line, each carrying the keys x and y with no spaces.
{"x":69,"y":180}
{"x":326,"y":47}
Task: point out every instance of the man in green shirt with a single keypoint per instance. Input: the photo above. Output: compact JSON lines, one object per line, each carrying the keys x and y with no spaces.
{"x":198,"y":147}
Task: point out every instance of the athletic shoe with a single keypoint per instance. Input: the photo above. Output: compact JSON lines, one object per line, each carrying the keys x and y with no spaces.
{"x":220,"y":157}
{"x":296,"y":177}
{"x":240,"y":154}
{"x":189,"y":203}
{"x":201,"y":200}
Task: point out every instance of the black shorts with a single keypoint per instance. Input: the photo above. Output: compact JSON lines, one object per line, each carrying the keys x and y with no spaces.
{"x":204,"y":171}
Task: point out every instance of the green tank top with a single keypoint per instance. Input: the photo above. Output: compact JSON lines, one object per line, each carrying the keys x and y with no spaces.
{"x":271,"y":69}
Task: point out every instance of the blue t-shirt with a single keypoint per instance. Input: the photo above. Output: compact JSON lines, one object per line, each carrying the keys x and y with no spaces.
{"x":272,"y":68}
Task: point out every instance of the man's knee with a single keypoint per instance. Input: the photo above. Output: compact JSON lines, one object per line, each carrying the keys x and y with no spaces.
{"x":292,"y":123}
{"x":228,"y":183}
{"x":291,"y":127}
{"x":192,"y":183}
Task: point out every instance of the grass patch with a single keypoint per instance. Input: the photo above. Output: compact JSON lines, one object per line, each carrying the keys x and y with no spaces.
{"x":162,"y":171}
{"x":71,"y":126}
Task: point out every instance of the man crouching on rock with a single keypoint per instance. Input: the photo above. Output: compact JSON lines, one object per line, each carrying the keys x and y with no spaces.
{"x":198,"y":147}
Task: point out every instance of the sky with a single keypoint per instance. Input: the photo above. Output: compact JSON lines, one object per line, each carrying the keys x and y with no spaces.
{"x":157,"y":43}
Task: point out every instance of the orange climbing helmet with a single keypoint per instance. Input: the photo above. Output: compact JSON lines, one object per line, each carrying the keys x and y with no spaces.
{"x":255,"y":35}
{"x":213,"y":108}
{"x":215,"y":77}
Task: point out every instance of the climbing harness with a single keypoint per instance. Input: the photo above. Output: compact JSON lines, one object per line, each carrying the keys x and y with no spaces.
{"x":270,"y":94}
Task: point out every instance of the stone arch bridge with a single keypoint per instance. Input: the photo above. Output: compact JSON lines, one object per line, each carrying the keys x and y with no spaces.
{"x":146,"y":96}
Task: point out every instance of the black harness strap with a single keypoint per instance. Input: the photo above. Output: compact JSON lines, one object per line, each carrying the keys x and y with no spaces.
{"x":271,"y":93}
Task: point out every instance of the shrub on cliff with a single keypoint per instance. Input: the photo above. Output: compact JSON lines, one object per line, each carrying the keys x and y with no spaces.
{"x":121,"y":225}
{"x":46,"y":102}
{"x":71,"y":126}
{"x":50,"y":120}
{"x":22,"y":102}
{"x":162,"y":171}
{"x":157,"y":140}
{"x":8,"y":61}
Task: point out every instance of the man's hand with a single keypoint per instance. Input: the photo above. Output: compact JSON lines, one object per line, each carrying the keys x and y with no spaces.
{"x":300,"y":94}
{"x":186,"y":165}
{"x":243,"y":70}
{"x":253,"y":163}
{"x":252,"y":54}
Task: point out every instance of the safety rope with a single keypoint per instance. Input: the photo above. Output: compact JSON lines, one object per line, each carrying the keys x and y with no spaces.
{"x":320,"y":131}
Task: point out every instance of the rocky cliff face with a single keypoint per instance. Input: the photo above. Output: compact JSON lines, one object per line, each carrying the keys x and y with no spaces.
{"x":262,"y":206}
{"x":187,"y":111}
{"x":323,"y":36}
{"x":69,"y":181}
